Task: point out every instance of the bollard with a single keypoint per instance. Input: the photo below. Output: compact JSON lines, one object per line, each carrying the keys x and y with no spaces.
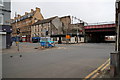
{"x":114,"y":64}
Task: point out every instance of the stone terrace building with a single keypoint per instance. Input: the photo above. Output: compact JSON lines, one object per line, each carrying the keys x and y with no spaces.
{"x":51,"y":25}
{"x":69,"y":28}
{"x":57,"y":28}
{"x":24,"y":23}
{"x":66,"y":22}
{"x":76,"y":31}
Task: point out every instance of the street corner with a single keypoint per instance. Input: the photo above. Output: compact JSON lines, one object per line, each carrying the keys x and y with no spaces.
{"x":105,"y":74}
{"x":101,"y":72}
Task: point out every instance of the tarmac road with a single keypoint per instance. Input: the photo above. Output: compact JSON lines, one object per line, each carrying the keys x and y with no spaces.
{"x":65,"y":61}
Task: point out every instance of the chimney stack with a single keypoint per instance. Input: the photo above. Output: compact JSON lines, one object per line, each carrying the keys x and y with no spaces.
{"x":37,"y":9}
{"x":19,"y":15}
{"x":26,"y":13}
{"x":32,"y":10}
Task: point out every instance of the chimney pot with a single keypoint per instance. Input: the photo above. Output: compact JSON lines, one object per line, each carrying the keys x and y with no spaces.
{"x":26,"y":13}
{"x":18,"y":15}
{"x":37,"y":9}
{"x":32,"y":10}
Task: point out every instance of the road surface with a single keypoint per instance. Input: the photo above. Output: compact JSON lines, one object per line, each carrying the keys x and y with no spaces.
{"x":64,"y":61}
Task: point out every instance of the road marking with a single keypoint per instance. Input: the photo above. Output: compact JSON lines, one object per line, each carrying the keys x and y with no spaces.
{"x":61,"y":48}
{"x":95,"y":71}
{"x":101,"y":71}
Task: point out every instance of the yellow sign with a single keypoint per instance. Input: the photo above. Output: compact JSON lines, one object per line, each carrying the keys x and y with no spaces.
{"x":68,"y":37}
{"x":17,"y":42}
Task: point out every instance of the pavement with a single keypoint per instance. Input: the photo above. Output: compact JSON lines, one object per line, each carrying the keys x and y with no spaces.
{"x":106,"y":74}
{"x":63,"y":61}
{"x":25,"y":48}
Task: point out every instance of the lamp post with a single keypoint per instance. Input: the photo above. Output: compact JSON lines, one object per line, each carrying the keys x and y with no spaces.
{"x":117,"y":5}
{"x":77,"y":33}
{"x":115,"y":57}
{"x":118,"y":33}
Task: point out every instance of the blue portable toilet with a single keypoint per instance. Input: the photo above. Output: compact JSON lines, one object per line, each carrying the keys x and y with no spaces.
{"x":46,"y":42}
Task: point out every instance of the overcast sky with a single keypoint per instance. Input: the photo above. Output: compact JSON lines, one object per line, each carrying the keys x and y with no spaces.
{"x":90,"y":11}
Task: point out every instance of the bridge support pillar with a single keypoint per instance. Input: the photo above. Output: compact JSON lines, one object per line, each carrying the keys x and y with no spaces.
{"x":59,"y":41}
{"x":95,"y":38}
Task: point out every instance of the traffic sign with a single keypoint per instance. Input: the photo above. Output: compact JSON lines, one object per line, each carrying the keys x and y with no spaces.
{"x":68,"y":37}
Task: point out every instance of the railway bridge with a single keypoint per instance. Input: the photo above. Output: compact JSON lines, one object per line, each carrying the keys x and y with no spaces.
{"x":97,"y":32}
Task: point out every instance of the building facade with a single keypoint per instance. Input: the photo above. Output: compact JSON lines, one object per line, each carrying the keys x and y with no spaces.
{"x":66,"y":22}
{"x":46,"y":27}
{"x":24,"y":23}
{"x":77,"y":28}
{"x":57,"y":28}
{"x":5,"y":28}
{"x":78,"y":32}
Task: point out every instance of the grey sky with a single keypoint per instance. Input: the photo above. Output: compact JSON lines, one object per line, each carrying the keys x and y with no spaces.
{"x":90,"y":11}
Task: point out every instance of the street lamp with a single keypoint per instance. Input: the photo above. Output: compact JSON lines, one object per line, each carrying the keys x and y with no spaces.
{"x":115,"y":57}
{"x":77,"y":32}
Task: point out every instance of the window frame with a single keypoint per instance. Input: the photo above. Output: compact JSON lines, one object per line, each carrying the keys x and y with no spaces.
{"x":1,"y":4}
{"x":1,"y":23}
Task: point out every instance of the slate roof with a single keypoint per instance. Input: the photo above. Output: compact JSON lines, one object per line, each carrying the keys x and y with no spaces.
{"x":44,"y":21}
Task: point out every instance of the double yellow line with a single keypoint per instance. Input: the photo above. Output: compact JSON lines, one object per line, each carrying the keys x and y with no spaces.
{"x":95,"y":73}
